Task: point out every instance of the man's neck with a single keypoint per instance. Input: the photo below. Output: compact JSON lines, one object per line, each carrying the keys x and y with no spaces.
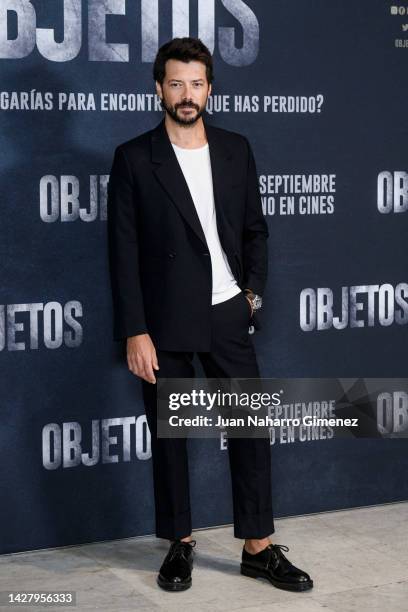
{"x":189,"y":136}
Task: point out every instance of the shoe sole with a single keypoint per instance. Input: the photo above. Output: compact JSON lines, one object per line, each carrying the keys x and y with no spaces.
{"x":254,"y":573}
{"x":181,"y":586}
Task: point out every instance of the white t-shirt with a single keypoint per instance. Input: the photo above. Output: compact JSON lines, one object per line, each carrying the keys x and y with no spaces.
{"x":196,"y":167}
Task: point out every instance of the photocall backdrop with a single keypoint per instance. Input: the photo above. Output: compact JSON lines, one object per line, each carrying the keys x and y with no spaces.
{"x":319,"y":88}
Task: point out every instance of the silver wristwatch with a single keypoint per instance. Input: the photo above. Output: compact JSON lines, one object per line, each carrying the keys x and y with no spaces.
{"x":255,"y":299}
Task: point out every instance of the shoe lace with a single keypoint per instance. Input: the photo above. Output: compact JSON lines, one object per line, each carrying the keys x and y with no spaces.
{"x":180,"y":548}
{"x":275,"y":552}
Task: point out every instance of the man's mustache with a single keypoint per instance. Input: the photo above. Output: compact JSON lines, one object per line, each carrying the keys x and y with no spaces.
{"x":187,"y":106}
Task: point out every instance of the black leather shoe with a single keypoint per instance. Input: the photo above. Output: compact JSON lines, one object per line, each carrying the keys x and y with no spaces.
{"x":272,"y":564}
{"x":175,"y":572}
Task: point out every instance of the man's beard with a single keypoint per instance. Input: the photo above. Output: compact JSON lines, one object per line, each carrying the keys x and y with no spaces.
{"x":186,"y":121}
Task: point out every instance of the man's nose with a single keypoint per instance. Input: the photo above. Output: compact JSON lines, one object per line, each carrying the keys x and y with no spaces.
{"x":187,"y":93}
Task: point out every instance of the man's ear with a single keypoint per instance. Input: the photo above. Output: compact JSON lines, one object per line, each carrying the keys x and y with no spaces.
{"x":159,"y":89}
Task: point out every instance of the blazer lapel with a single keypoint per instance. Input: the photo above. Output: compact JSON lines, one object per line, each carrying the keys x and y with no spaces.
{"x":171,"y":177}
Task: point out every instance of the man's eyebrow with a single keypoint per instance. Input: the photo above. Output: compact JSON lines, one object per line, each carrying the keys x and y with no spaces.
{"x":180,"y":81}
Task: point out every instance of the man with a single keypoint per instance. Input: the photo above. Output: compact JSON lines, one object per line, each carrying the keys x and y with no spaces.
{"x":188,"y":262}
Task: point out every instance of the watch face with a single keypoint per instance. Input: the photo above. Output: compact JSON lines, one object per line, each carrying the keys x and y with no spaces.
{"x":257,"y":302}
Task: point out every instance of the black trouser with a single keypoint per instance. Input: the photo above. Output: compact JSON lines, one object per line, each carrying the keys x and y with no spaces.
{"x":232,"y":355}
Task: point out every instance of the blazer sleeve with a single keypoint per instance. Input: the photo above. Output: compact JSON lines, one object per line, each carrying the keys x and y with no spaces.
{"x":255,"y":235}
{"x":123,"y":251}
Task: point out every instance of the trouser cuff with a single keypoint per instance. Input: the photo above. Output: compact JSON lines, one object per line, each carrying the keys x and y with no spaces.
{"x":254,"y":526}
{"x":173,"y":527}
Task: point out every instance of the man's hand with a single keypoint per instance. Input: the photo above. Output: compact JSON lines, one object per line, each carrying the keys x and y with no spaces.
{"x":141,"y":357}
{"x":249,"y":294}
{"x":250,"y":304}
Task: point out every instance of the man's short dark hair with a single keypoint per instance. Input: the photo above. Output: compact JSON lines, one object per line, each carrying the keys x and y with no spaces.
{"x":185,"y":50}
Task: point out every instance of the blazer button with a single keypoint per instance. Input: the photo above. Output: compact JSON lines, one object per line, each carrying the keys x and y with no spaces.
{"x":205,"y":253}
{"x":171,"y":254}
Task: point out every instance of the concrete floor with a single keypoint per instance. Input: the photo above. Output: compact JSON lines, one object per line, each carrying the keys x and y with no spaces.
{"x":357,"y":558}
